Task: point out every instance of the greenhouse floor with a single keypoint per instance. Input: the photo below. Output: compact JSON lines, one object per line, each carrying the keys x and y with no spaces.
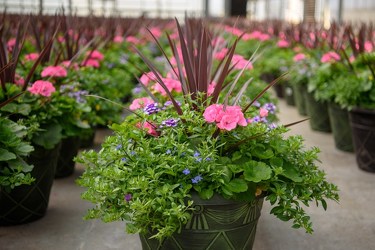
{"x":349,"y":224}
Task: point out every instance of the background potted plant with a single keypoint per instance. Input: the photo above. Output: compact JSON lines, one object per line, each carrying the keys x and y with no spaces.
{"x":175,"y":160}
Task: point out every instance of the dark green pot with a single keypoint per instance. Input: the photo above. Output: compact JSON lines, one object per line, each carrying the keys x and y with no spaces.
{"x":362,"y":122}
{"x":217,"y":224}
{"x":88,"y":140}
{"x":28,"y":203}
{"x":299,"y":91}
{"x":341,"y":129}
{"x":318,"y":113}
{"x":69,"y":150}
{"x":289,"y":94}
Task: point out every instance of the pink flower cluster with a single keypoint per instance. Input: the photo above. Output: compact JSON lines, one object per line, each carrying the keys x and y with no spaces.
{"x":330,"y":57}
{"x":171,"y":84}
{"x":150,"y":128}
{"x":93,"y":60}
{"x":225,"y":118}
{"x":283,"y":44}
{"x":54,"y":71}
{"x":31,"y":57}
{"x":140,"y":103}
{"x":44,"y":88}
{"x":299,"y":57}
{"x":240,"y":62}
{"x":256,"y":35}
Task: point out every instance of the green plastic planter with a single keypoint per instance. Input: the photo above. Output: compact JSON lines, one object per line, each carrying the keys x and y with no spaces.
{"x":341,"y":130}
{"x":299,"y":91}
{"x":217,"y":223}
{"x":28,"y":203}
{"x":318,"y":113}
{"x":362,"y":122}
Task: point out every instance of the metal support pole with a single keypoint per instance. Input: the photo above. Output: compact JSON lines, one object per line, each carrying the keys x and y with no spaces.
{"x":340,"y":11}
{"x":40,"y":7}
{"x":207,"y":8}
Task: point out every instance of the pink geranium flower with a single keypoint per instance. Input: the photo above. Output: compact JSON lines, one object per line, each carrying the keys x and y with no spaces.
{"x":239,"y":62}
{"x":156,"y":31}
{"x":211,"y":88}
{"x":220,"y":55}
{"x":283,"y":44}
{"x":299,"y":57}
{"x":140,"y":103}
{"x":226,"y":119}
{"x":132,"y":39}
{"x":19,"y":80}
{"x":40,"y":87}
{"x":368,"y":46}
{"x":54,"y":71}
{"x":95,"y":55}
{"x":171,"y":84}
{"x":31,"y":57}
{"x":91,"y":63}
{"x":263,"y":112}
{"x":150,"y":128}
{"x":146,"y":78}
{"x":10,"y":44}
{"x":118,"y":39}
{"x":330,"y":57}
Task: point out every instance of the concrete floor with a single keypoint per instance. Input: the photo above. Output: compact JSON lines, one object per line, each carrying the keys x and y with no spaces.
{"x":348,"y":225}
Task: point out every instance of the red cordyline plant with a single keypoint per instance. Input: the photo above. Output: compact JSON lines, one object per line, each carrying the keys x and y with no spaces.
{"x":10,"y":61}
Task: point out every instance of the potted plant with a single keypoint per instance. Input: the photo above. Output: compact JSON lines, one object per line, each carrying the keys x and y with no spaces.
{"x":190,"y":168}
{"x":356,"y":92}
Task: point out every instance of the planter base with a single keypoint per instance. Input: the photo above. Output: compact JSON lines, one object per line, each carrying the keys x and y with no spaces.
{"x":28,"y":203}
{"x":363,"y":131}
{"x":341,"y":130}
{"x":228,"y":226}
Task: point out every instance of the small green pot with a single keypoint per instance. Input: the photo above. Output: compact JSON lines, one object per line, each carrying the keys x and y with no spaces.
{"x":217,"y":223}
{"x":299,"y":91}
{"x":27,"y":203}
{"x":341,"y":129}
{"x":318,"y":113}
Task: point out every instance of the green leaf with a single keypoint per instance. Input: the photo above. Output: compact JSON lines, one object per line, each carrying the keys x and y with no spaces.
{"x":257,"y":171}
{"x":291,"y":173}
{"x":261,"y":153}
{"x":23,"y":149}
{"x":23,"y":109}
{"x":237,"y":185}
{"x":5,"y":155}
{"x":276,"y":162}
{"x":50,"y":137}
{"x":206,"y":194}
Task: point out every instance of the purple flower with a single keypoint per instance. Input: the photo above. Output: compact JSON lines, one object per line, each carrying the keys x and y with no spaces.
{"x":270,"y":107}
{"x":208,"y":159}
{"x":124,"y":159}
{"x":151,"y":108}
{"x":170,"y":122}
{"x":196,"y":154}
{"x":118,"y":147}
{"x":272,"y":126}
{"x":168,"y":151}
{"x":256,"y":104}
{"x":186,"y":171}
{"x":169,"y":103}
{"x":137,"y":89}
{"x":196,"y":179}
{"x":256,"y":119}
{"x":128,"y":197}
